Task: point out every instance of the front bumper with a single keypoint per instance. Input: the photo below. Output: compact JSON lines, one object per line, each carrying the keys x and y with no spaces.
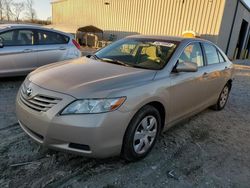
{"x":94,"y":135}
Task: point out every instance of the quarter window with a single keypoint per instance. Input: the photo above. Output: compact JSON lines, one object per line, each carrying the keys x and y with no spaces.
{"x":192,"y":53}
{"x":211,"y":54}
{"x":221,"y":58}
{"x":49,"y":38}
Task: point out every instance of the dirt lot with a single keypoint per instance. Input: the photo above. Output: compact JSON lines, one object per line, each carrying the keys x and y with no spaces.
{"x":211,"y":149}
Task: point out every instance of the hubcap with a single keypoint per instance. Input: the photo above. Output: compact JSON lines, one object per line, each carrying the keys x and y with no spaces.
{"x":145,"y":134}
{"x":224,"y":96}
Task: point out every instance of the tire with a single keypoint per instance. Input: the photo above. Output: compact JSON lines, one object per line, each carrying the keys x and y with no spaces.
{"x":141,"y":134}
{"x":222,"y":101}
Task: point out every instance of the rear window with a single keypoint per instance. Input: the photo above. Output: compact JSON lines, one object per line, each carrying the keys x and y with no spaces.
{"x":50,"y":38}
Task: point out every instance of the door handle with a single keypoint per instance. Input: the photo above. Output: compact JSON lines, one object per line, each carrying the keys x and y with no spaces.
{"x":27,"y":50}
{"x":62,"y":48}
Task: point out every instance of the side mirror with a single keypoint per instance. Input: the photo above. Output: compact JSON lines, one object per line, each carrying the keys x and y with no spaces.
{"x":186,"y":67}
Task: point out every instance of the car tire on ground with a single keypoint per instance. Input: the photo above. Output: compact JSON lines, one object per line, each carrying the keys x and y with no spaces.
{"x":221,"y":103}
{"x":141,"y":134}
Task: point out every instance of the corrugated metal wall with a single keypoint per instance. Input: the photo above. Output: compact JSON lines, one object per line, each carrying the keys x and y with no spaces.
{"x":159,"y":17}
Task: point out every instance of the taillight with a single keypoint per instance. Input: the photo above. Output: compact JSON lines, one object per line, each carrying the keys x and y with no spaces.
{"x":77,"y":45}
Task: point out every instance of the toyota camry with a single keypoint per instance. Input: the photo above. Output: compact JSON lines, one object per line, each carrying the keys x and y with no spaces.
{"x":118,"y":100}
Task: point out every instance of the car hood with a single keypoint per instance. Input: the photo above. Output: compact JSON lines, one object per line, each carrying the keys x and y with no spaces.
{"x":86,"y":77}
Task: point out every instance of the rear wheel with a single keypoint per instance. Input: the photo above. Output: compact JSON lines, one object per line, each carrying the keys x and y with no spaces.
{"x":221,"y":103}
{"x":141,"y":134}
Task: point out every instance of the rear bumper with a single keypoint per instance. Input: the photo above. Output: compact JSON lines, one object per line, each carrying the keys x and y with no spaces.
{"x":93,"y":135}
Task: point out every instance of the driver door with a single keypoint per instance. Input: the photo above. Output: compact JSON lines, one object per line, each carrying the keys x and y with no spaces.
{"x":187,"y":89}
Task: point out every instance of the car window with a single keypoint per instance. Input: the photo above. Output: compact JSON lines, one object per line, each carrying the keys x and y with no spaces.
{"x":128,"y":48}
{"x":221,"y":58}
{"x":124,"y":49}
{"x":140,"y":53}
{"x":49,"y":38}
{"x":25,"y":37}
{"x":6,"y":38}
{"x":192,"y":53}
{"x":17,"y":38}
{"x":211,"y":54}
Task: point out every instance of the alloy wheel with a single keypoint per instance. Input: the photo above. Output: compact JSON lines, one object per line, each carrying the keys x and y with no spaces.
{"x":224,"y":96}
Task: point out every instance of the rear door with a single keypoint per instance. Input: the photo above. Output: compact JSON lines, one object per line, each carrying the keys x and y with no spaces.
{"x":52,"y":47}
{"x":216,"y":68}
{"x":187,"y":90}
{"x":18,"y":53}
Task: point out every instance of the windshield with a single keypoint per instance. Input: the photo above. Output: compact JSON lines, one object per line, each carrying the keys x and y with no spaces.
{"x":140,"y":53}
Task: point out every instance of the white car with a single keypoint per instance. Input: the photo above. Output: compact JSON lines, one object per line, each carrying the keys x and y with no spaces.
{"x":23,"y":48}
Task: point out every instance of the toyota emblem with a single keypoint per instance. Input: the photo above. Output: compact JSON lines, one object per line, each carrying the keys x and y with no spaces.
{"x":29,"y":92}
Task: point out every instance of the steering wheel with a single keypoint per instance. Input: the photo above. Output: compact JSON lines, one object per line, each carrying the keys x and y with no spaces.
{"x":159,"y":60}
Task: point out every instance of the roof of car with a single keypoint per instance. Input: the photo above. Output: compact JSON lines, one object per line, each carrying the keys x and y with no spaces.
{"x":33,"y":26}
{"x":18,"y":25}
{"x":162,"y":37}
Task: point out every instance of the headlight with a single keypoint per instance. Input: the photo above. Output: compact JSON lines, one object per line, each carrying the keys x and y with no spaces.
{"x":92,"y":106}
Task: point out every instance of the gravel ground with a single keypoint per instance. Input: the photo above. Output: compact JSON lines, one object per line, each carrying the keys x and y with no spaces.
{"x":211,"y":149}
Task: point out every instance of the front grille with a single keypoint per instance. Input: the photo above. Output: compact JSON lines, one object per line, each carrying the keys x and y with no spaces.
{"x":38,"y":102}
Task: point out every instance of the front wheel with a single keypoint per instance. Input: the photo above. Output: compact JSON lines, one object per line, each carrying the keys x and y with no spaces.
{"x":141,"y":134}
{"x":221,"y":103}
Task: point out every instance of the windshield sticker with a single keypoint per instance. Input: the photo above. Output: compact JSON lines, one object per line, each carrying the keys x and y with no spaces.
{"x":167,"y":44}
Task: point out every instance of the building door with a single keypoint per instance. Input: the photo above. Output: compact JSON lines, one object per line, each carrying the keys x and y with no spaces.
{"x":246,"y":55}
{"x":240,"y":44}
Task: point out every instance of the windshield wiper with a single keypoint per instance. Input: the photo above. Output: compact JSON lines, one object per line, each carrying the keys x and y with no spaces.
{"x":141,"y":67}
{"x":93,"y":56}
{"x":114,"y":61}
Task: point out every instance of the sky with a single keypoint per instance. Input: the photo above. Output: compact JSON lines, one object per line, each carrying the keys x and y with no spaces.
{"x":43,"y":8}
{"x":248,"y":2}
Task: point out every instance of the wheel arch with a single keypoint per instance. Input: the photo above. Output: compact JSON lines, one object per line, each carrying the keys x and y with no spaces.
{"x":230,"y":82}
{"x":156,"y":104}
{"x":160,"y":107}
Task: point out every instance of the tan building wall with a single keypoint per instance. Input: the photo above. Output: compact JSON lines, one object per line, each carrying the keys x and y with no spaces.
{"x":226,"y":24}
{"x":159,"y":17}
{"x":215,"y":20}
